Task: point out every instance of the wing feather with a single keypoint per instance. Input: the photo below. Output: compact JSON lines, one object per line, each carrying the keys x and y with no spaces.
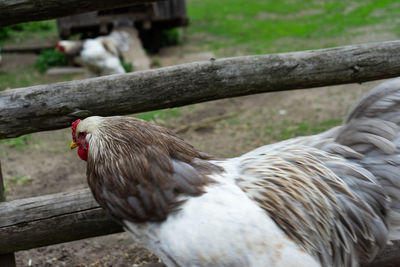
{"x":306,"y":191}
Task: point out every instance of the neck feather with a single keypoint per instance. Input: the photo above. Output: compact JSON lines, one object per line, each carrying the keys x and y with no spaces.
{"x":138,"y":170}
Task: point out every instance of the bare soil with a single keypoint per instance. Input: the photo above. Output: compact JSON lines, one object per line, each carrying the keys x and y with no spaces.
{"x":46,"y":164}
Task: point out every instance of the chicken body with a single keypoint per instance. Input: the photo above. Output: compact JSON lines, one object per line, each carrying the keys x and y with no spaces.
{"x":99,"y":56}
{"x":222,"y":227}
{"x":331,"y":199}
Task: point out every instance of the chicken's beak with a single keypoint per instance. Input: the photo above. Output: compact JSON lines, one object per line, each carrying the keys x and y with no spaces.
{"x":73,"y":145}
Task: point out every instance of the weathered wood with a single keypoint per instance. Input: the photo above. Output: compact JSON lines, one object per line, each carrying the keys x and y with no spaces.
{"x":8,"y":259}
{"x":16,"y":11}
{"x":168,"y":10}
{"x":54,"y":106}
{"x":2,"y":187}
{"x":33,"y":48}
{"x":65,"y":70}
{"x":52,"y":219}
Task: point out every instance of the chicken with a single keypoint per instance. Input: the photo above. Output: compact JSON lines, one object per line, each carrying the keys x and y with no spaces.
{"x":100,"y":56}
{"x":332,"y":199}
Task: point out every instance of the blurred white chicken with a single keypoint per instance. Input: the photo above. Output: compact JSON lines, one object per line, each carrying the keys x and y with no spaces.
{"x":100,"y":56}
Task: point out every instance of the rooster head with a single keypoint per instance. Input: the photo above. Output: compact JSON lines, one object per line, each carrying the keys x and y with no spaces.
{"x":60,"y":47}
{"x":72,"y":48}
{"x":82,"y":131}
{"x":79,"y":140}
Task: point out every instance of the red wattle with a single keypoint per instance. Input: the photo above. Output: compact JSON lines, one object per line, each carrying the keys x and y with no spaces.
{"x":83,"y":153}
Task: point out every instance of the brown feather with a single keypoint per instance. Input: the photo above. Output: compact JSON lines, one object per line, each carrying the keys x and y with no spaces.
{"x":154,"y":166}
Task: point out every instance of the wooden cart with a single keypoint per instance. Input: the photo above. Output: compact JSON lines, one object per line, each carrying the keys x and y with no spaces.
{"x":150,"y":20}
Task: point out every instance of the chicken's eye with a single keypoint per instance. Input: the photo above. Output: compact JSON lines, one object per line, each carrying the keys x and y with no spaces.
{"x":81,"y":134}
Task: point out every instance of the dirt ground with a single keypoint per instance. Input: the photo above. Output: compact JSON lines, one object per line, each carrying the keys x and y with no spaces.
{"x":224,"y":128}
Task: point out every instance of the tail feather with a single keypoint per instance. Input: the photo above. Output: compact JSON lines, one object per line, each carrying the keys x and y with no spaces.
{"x":382,"y":102}
{"x":373,"y":129}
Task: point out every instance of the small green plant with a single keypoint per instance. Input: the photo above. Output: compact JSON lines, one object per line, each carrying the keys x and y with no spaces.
{"x":49,"y":58}
{"x":156,"y":63}
{"x":127,"y":66}
{"x":4,"y":32}
{"x":170,"y":37}
{"x":36,"y":26}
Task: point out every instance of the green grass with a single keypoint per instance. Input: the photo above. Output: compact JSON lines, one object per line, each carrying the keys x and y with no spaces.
{"x":27,"y":75}
{"x":161,"y":114}
{"x":19,"y":180}
{"x":18,"y":142}
{"x":288,"y":129}
{"x":30,"y":31}
{"x":262,"y":25}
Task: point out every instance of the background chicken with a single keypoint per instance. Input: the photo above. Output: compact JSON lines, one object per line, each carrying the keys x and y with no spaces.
{"x":330,"y":199}
{"x":100,"y":56}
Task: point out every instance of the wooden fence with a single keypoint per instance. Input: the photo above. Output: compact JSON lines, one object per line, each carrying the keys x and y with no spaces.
{"x":16,"y":11}
{"x":51,"y":219}
{"x":55,"y":106}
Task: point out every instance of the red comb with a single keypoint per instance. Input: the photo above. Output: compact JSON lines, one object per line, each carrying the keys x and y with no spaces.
{"x":74,"y":125}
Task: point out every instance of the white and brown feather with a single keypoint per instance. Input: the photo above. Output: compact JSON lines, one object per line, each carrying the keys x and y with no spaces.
{"x":303,"y":191}
{"x":146,"y":168}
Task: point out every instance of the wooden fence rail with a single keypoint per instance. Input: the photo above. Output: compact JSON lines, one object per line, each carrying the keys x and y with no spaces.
{"x":52,"y":219}
{"x":16,"y":11}
{"x":54,"y":106}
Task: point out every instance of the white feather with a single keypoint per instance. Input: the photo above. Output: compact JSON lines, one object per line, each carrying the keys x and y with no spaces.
{"x":223,"y":227}
{"x":98,"y":59}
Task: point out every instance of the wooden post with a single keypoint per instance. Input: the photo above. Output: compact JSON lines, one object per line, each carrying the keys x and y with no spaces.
{"x":6,"y":260}
{"x":2,"y":189}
